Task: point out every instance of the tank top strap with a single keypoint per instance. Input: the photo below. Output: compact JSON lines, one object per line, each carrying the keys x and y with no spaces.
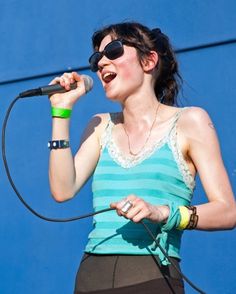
{"x":106,"y":135}
{"x":173,"y":143}
{"x":175,"y":119}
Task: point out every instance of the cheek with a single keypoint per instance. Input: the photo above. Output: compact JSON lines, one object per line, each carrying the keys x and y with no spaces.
{"x":129,"y":68}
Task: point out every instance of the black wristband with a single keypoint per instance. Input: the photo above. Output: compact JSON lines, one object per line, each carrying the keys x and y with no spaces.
{"x":58,"y":144}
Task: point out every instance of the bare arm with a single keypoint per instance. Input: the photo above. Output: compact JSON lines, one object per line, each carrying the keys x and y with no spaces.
{"x":199,"y":144}
{"x":67,"y":174}
{"x":204,"y":151}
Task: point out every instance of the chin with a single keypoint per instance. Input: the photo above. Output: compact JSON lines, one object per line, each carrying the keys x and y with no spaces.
{"x":114,"y":95}
{"x":113,"y":98}
{"x":111,"y":95}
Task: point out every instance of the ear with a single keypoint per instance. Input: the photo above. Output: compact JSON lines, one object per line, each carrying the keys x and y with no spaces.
{"x":150,"y":61}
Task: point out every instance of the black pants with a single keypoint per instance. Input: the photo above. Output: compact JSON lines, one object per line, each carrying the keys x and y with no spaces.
{"x":125,"y":274}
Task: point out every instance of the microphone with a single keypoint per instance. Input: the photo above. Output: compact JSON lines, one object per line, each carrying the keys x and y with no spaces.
{"x":57,"y":88}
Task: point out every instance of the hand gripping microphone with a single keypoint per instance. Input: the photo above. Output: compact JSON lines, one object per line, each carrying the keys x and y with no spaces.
{"x":57,"y":88}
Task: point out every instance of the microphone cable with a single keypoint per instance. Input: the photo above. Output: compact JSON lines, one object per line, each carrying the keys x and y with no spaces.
{"x":61,"y":220}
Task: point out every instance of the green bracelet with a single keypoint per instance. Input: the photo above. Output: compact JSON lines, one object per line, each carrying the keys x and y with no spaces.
{"x":61,"y":112}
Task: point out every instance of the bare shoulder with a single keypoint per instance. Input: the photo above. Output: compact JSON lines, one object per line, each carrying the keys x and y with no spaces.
{"x":195,"y":118}
{"x":195,"y":115}
{"x":98,"y":124}
{"x":196,"y":125}
{"x":101,"y":120}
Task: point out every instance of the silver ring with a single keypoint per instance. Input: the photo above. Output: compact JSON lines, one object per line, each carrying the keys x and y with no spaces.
{"x":126,"y":207}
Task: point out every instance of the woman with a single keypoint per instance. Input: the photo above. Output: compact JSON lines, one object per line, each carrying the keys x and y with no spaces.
{"x":143,"y":160}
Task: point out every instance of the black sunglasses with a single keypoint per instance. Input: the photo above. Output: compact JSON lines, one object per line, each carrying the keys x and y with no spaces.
{"x":113,"y":50}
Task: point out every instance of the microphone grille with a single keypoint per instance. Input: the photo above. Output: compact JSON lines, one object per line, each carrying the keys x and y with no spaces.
{"x":88,"y":83}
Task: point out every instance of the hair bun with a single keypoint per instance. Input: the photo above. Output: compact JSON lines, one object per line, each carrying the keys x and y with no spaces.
{"x":156,"y":31}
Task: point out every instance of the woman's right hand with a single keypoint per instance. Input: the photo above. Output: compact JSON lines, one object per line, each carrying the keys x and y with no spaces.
{"x":69,"y":98}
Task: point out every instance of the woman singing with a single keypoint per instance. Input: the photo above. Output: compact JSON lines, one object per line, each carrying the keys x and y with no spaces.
{"x":143,"y":160}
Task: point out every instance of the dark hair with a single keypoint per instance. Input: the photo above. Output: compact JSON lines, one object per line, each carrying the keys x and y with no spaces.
{"x":145,"y":40}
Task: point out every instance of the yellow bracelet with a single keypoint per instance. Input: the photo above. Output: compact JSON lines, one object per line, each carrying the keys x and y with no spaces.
{"x":185,"y":217}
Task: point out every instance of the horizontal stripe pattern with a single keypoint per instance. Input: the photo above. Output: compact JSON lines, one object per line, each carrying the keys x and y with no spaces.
{"x":156,"y":179}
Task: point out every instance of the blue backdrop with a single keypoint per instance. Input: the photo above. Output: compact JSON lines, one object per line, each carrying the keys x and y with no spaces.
{"x":40,"y":38}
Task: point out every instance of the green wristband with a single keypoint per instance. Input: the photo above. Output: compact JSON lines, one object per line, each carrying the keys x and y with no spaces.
{"x":61,"y":112}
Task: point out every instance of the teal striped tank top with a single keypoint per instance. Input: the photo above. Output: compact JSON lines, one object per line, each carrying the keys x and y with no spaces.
{"x":159,"y":175}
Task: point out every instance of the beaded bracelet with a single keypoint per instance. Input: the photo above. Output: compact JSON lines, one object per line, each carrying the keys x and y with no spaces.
{"x":61,"y":112}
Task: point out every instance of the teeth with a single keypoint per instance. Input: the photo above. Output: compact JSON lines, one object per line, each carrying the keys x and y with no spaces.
{"x":107,"y":75}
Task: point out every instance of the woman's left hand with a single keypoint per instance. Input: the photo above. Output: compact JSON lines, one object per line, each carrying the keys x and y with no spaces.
{"x":140,"y":209}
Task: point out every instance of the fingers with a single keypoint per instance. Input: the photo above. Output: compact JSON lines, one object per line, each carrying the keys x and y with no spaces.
{"x":118,"y":206}
{"x":136,"y":209}
{"x":71,"y":95}
{"x":132,"y":208}
{"x":66,"y":80}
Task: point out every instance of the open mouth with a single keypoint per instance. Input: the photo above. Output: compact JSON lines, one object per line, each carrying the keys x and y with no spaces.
{"x":108,"y":77}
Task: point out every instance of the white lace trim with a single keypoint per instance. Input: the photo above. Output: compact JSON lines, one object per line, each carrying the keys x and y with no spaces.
{"x":182,"y":165}
{"x":128,"y":161}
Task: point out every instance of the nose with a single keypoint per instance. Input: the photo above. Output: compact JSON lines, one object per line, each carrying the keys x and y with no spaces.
{"x":103,"y":62}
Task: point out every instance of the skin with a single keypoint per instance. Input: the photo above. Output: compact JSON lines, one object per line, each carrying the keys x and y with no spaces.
{"x":133,"y":89}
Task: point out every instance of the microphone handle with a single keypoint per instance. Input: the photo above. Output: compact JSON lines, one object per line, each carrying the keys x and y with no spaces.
{"x":57,"y":88}
{"x":46,"y":90}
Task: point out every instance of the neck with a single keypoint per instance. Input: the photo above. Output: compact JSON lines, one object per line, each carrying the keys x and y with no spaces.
{"x":147,"y":127}
{"x":139,"y":112}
